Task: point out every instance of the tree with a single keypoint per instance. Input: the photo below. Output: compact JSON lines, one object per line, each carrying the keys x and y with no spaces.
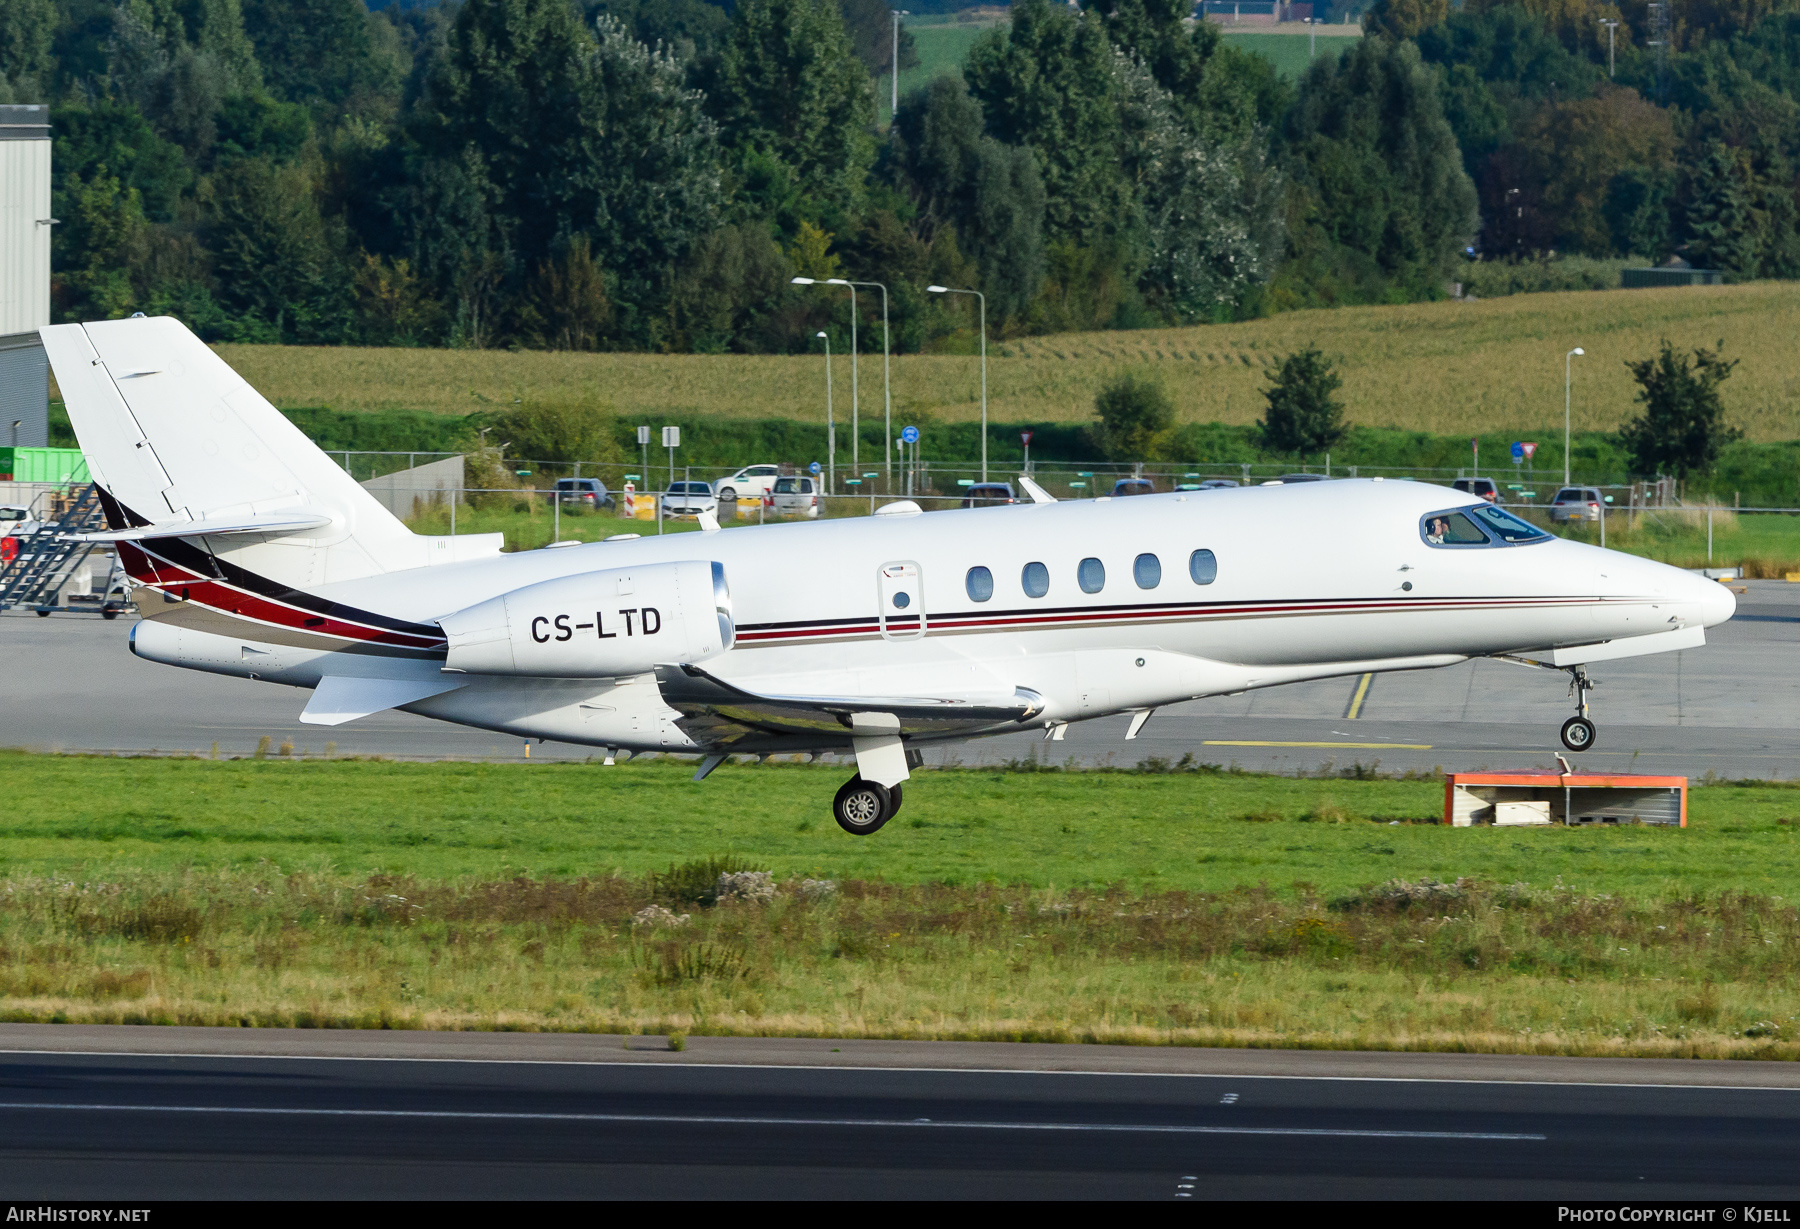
{"x":566,"y":304}
{"x":1725,"y":229}
{"x":27,"y":31}
{"x":1376,"y":168}
{"x":560,"y":431}
{"x":871,"y":27}
{"x":1682,"y":427}
{"x":989,"y":192}
{"x":1050,"y":82}
{"x":325,"y":53}
{"x":1397,"y":20}
{"x":1134,"y":413}
{"x":690,"y":29}
{"x":788,"y":83}
{"x":1303,"y":417}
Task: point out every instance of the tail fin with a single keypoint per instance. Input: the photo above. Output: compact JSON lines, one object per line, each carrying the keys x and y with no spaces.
{"x":175,"y":437}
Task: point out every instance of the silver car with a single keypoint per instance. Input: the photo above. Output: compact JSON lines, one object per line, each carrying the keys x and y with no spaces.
{"x":797,"y":496}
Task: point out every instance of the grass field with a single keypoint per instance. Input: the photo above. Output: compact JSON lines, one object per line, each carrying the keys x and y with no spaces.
{"x":942,"y":47}
{"x":1289,"y":51}
{"x":1146,"y":908}
{"x":1495,"y":365}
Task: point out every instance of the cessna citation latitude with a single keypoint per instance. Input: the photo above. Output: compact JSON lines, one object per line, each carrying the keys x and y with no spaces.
{"x":257,"y":556}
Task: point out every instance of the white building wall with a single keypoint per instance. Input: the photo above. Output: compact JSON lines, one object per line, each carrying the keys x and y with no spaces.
{"x":24,"y":219}
{"x":24,"y":273}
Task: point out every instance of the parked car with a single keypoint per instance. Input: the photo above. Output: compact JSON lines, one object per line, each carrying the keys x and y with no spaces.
{"x":795,"y":497}
{"x":1576,"y":503}
{"x":583,"y":492}
{"x":983,"y":493}
{"x":1289,"y":479}
{"x":751,"y":482}
{"x":1483,"y":487}
{"x":689,"y":499}
{"x":1133,"y":486}
{"x":1217,"y":484}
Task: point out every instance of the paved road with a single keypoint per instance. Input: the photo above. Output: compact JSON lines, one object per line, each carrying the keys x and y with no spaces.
{"x":118,"y":1125}
{"x":1731,"y":708}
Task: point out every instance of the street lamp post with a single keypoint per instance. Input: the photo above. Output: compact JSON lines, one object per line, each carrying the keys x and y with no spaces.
{"x":1568,"y":377}
{"x":887,"y":388}
{"x":983,"y":299}
{"x":830,"y":425}
{"x":894,"y":105}
{"x":855,"y":392}
{"x":1612,"y":29}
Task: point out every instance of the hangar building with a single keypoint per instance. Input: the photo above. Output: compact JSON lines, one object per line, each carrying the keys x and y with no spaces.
{"x":25,"y":224}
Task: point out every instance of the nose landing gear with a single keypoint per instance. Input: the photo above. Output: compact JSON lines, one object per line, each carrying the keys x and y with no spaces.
{"x":862,"y":807}
{"x":1578,"y":732}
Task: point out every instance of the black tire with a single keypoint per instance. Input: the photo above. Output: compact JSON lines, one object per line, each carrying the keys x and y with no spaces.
{"x":893,"y":802}
{"x":43,"y":614}
{"x":861,"y":807}
{"x":1578,"y":734}
{"x":728,"y":495}
{"x":109,"y":612}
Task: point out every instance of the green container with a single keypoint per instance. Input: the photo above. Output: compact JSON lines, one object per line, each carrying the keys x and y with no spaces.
{"x":59,"y":465}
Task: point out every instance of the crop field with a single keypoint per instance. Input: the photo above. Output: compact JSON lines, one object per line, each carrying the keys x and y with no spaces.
{"x":1149,"y":907}
{"x":1448,"y":368}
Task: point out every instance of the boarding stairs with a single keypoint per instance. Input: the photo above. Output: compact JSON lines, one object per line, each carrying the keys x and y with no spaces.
{"x":49,"y":556}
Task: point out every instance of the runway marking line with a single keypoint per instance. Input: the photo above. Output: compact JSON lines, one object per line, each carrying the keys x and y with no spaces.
{"x":865,"y":1069}
{"x":1245,"y":742}
{"x":724,"y":1120}
{"x":1358,"y":696}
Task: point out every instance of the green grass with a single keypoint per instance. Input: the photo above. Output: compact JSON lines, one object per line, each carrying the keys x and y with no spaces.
{"x":99,"y":816}
{"x":1290,"y":53}
{"x":1140,"y":908}
{"x":942,"y":49}
{"x":1765,"y":545}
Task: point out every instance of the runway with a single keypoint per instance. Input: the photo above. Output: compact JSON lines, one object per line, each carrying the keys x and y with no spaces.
{"x":754,"y":1118}
{"x":1731,"y":708}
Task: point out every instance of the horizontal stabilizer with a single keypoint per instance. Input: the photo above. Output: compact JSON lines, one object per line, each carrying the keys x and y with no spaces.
{"x":340,"y":698}
{"x":266,"y":522}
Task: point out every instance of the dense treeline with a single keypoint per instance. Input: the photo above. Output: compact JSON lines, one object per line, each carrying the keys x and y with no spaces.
{"x":650,"y":174}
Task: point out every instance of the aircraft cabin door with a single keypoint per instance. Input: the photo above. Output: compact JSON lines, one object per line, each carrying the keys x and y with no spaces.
{"x":900,"y":591}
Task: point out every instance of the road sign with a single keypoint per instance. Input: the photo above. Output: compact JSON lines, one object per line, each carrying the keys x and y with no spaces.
{"x":1025,"y":438}
{"x":813,"y":468}
{"x":1528,"y":449}
{"x":671,"y":437}
{"x":1518,"y":452}
{"x":643,"y":435}
{"x":910,"y":434}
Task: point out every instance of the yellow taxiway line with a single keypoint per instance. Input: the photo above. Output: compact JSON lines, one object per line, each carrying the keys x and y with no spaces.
{"x":1358,"y":696}
{"x":1223,"y":742}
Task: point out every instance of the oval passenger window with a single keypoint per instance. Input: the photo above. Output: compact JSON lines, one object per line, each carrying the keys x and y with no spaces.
{"x":980,"y":584}
{"x":1036,"y":579}
{"x":1147,"y":571}
{"x":1092,"y":575}
{"x":1203,"y":567}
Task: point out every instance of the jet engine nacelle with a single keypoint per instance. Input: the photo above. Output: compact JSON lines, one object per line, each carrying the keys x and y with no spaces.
{"x":597,"y":624}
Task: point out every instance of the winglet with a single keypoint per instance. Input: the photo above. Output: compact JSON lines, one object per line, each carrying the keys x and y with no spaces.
{"x":1038,"y":494}
{"x":709,"y":523}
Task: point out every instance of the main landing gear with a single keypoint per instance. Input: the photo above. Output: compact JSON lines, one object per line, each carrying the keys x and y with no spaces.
{"x":1578,"y":732}
{"x":861,"y":807}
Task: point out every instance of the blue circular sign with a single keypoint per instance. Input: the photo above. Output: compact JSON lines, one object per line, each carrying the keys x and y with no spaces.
{"x":813,"y":468}
{"x":1518,"y":452}
{"x":910,"y":434}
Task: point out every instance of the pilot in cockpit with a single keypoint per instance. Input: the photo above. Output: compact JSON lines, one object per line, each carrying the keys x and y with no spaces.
{"x":1436,"y":532}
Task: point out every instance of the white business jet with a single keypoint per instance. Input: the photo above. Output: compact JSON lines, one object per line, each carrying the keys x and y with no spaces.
{"x":257,"y":556}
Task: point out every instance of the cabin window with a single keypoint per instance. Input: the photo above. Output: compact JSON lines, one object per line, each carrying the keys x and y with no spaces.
{"x":1147,"y":571}
{"x":1091,"y":574}
{"x":1036,"y":579}
{"x":980,"y":584}
{"x":1451,"y":529}
{"x":1508,"y":528}
{"x":1203,"y":566}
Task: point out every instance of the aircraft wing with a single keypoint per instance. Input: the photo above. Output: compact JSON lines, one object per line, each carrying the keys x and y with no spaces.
{"x":715,"y":712}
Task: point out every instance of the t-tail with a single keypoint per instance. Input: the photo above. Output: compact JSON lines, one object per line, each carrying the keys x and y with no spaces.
{"x":202,"y":477}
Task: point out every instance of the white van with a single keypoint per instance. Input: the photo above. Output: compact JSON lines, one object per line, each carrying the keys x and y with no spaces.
{"x":797,"y":496}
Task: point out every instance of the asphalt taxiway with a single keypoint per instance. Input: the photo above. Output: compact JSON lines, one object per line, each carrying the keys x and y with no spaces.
{"x":1731,"y":708}
{"x":99,"y":1114}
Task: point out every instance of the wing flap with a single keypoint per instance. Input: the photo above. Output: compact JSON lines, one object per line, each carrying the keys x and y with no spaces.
{"x":339,"y":698}
{"x":715,"y":711}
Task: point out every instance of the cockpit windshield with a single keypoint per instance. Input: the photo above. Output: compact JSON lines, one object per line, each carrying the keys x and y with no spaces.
{"x":1481,"y":525}
{"x":1512,"y":530}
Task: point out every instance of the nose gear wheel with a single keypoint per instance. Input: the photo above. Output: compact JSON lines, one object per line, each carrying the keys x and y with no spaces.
{"x":862,"y":807}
